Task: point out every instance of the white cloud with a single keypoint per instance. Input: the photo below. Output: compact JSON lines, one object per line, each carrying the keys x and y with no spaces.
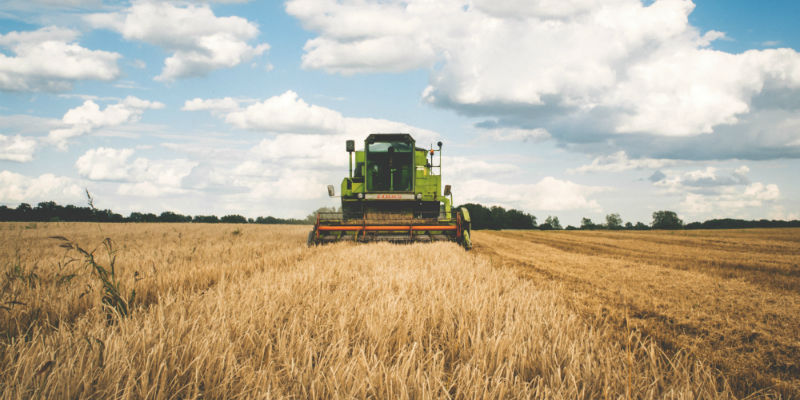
{"x":287,"y":113}
{"x":364,"y":36}
{"x":226,"y":104}
{"x":142,"y":176}
{"x":714,"y":193}
{"x":549,"y":194}
{"x":17,"y":148}
{"x":619,"y":161}
{"x":779,"y":212}
{"x":200,"y":41}
{"x":89,"y":117}
{"x":147,"y":189}
{"x":104,"y":164}
{"x":49,"y":59}
{"x":623,"y":67}
{"x":286,"y":183}
{"x":465,"y":168}
{"x":730,"y":200}
{"x":705,"y":180}
{"x":518,"y":134}
{"x":16,"y":188}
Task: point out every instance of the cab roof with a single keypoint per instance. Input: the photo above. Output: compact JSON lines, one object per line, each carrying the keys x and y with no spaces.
{"x":389,"y":137}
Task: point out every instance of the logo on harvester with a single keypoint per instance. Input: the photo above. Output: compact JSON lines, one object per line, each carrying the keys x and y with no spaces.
{"x":390,"y":196}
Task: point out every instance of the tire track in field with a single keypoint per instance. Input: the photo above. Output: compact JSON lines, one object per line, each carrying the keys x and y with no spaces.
{"x":748,"y":332}
{"x":768,"y":264}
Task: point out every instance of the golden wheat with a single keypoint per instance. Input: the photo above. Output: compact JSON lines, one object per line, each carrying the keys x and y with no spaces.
{"x":227,"y":311}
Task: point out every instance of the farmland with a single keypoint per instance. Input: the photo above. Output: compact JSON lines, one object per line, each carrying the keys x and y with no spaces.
{"x":247,"y":311}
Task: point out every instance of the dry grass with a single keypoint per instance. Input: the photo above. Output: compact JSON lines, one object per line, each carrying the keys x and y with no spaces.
{"x":257,"y":314}
{"x":731,"y":298}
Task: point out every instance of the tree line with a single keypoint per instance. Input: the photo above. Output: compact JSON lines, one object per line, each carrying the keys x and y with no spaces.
{"x":49,"y":211}
{"x":497,"y":217}
{"x":482,"y":217}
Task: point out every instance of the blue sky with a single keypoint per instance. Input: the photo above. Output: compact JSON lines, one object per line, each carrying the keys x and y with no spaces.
{"x":559,"y":108}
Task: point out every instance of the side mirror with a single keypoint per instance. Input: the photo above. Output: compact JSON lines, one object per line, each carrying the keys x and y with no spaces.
{"x":447,"y":190}
{"x":331,"y":192}
{"x":351,"y":146}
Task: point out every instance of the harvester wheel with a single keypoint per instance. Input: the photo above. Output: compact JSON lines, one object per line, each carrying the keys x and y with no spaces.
{"x":467,"y":241}
{"x":311,"y":241}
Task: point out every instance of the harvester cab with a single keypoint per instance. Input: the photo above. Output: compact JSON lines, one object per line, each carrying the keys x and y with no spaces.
{"x":393,"y":193}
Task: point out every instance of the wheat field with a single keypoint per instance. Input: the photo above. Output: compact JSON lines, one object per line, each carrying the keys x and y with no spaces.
{"x":248,"y":311}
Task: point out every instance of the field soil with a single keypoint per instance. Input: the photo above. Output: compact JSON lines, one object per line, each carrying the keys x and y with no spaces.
{"x":248,"y":311}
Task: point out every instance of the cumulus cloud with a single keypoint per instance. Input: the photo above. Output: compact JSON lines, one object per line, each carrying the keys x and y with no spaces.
{"x":287,"y":113}
{"x":705,"y":179}
{"x":89,"y":117}
{"x":286,"y":183}
{"x":575,"y":68}
{"x":200,"y":41}
{"x":549,"y":194}
{"x":730,"y":200}
{"x":16,"y":188}
{"x":226,"y":104}
{"x":17,"y":148}
{"x":715,"y":192}
{"x":619,"y":161}
{"x":139,"y":176}
{"x":49,"y":59}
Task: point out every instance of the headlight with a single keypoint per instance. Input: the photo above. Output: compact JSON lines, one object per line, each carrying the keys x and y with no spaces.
{"x":360,"y":195}
{"x":419,"y":196}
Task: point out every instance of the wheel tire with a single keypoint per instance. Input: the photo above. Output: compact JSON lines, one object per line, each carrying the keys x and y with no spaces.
{"x":467,"y":240}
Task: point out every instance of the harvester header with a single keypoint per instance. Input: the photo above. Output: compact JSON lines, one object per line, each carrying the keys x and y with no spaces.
{"x":393,"y":193}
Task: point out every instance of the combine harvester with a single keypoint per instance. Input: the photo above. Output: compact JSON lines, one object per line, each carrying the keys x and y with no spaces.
{"x":394,"y":194}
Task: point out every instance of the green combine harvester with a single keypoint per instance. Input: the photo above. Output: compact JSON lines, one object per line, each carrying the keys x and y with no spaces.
{"x":394,"y":194}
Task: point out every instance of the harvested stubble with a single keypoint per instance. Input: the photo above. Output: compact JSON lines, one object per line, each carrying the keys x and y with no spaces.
{"x":273,"y":319}
{"x":728,"y":296}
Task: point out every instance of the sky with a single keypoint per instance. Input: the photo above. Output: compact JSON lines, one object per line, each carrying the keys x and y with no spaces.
{"x":570,"y":108}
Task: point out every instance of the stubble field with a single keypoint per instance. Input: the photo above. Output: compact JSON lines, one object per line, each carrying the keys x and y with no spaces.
{"x":243,"y":311}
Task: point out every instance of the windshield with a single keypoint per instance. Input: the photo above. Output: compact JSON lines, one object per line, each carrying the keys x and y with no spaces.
{"x":390,"y":166}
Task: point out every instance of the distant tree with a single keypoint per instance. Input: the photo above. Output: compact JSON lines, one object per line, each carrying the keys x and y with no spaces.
{"x":6,"y":214}
{"x":24,"y":212}
{"x":694,"y":225}
{"x":169,"y":216}
{"x":498,"y":217}
{"x":641,"y":226}
{"x":516,"y":219}
{"x":266,"y":220}
{"x":613,"y":221}
{"x":587,"y":223}
{"x":570,"y":228}
{"x":666,"y":220}
{"x":205,"y":219}
{"x":47,"y":211}
{"x":480,"y":216}
{"x":628,"y":225}
{"x":233,"y":219}
{"x":551,"y":223}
